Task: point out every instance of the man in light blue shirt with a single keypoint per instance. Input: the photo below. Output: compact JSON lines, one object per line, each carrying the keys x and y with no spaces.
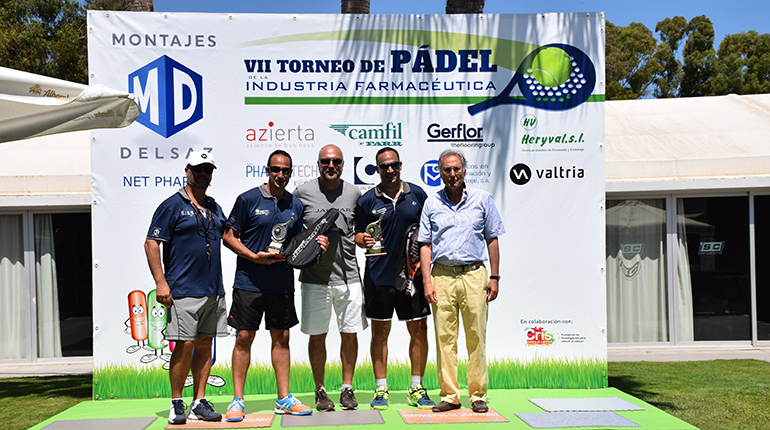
{"x":456,"y":224}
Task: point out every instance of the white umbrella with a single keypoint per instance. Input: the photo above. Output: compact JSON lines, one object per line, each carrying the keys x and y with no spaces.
{"x":33,"y":105}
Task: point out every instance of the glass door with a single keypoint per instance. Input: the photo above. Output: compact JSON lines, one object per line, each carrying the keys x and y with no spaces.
{"x":713,"y":235}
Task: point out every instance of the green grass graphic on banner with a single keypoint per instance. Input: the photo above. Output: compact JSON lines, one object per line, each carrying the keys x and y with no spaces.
{"x":127,"y":382}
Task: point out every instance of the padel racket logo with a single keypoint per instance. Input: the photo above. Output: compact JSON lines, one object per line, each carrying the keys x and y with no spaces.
{"x":553,"y":77}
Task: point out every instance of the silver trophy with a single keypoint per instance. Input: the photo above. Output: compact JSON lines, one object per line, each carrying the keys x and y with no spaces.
{"x":279,"y":236}
{"x":375,"y":231}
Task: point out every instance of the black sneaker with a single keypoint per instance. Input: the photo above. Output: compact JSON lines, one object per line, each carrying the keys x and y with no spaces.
{"x":322,"y":400}
{"x":348,"y":399}
{"x":204,"y":412}
{"x":176,"y":412}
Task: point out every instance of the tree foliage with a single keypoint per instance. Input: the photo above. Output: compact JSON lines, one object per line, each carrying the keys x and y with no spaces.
{"x":630,"y":63}
{"x":46,"y":37}
{"x":684,"y":63}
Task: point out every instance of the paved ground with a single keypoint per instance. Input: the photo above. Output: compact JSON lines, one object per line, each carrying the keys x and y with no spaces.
{"x":614,"y":354}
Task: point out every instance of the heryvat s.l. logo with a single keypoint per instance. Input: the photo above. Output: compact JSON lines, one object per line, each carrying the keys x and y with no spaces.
{"x":169,"y":94}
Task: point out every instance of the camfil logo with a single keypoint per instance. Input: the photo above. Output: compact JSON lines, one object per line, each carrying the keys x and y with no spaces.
{"x":371,"y":134}
{"x":430,"y":173}
{"x":169,"y":94}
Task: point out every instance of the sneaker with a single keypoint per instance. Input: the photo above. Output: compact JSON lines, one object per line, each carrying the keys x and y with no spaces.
{"x":322,"y":400}
{"x":446,"y":406}
{"x":235,"y":410}
{"x":348,"y":399}
{"x":290,"y":405}
{"x":419,"y":397}
{"x":380,"y":400}
{"x":480,"y":406}
{"x":176,"y":413}
{"x":204,"y":411}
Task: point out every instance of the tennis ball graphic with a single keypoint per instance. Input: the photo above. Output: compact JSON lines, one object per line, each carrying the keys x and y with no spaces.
{"x":551,"y":67}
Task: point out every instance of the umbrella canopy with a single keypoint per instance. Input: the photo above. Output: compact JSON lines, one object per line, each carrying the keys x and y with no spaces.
{"x":33,"y":105}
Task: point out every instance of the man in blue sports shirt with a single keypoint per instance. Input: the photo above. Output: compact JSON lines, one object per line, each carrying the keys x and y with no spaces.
{"x":264,"y":283}
{"x":457,"y":223}
{"x":399,"y":204}
{"x":190,"y":226}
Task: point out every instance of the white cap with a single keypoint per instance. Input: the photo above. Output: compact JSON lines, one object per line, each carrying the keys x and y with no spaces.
{"x":201,"y":157}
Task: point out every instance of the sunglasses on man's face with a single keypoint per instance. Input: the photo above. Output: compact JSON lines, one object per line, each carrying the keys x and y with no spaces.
{"x":208,"y":168}
{"x":326,"y":161}
{"x":275,"y":169}
{"x":396,"y":165}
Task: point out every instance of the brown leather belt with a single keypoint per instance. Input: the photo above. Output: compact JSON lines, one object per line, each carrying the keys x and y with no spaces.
{"x":461,"y":268}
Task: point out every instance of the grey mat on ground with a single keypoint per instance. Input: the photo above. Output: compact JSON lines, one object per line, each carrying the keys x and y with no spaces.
{"x":102,"y":423}
{"x":543,"y":420}
{"x":335,"y":418}
{"x":596,"y":404}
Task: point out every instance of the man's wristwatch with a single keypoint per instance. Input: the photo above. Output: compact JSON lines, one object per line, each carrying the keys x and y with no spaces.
{"x":495,"y":277}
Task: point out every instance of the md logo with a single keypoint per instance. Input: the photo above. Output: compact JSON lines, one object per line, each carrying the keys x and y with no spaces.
{"x":363,"y":174}
{"x":520,"y":174}
{"x":430,"y":174}
{"x":169,"y":94}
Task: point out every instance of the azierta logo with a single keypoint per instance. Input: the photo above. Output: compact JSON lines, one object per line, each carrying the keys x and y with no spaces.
{"x":371,"y":134}
{"x":169,"y":94}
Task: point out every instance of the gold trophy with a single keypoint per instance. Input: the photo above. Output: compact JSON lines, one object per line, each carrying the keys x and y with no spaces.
{"x":279,"y":236}
{"x":375,"y":231}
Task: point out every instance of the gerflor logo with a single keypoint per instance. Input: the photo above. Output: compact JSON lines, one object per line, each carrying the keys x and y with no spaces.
{"x":371,"y":134}
{"x":169,"y":94}
{"x":521,"y":174}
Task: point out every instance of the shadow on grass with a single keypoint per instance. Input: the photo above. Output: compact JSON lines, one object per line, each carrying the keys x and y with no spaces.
{"x":72,"y":386}
{"x":629,"y":385}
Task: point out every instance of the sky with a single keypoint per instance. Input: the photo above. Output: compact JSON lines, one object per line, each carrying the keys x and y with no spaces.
{"x":728,"y":17}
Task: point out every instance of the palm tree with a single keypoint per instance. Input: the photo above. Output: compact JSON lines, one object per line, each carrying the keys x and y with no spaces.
{"x":355,"y":6}
{"x":138,"y":5}
{"x":464,"y":6}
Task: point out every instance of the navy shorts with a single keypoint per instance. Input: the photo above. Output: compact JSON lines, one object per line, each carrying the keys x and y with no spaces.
{"x":248,"y":307}
{"x":381,"y":301}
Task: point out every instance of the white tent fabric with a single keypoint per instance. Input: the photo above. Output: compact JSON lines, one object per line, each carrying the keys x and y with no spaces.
{"x":688,"y":138}
{"x":33,"y":105}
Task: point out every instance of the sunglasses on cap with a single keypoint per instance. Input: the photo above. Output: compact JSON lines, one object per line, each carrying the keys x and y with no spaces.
{"x":336,"y":161}
{"x":396,"y":165}
{"x":208,"y":168}
{"x":276,"y":169}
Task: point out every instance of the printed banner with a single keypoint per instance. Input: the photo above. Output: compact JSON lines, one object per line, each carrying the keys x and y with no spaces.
{"x":521,"y":95}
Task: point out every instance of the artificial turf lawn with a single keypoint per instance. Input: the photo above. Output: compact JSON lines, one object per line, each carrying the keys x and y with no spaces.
{"x":506,"y":402}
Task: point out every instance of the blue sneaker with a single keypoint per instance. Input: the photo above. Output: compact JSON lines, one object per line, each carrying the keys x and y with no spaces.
{"x":418,"y":397}
{"x":204,"y":411}
{"x":235,"y":410}
{"x":176,"y":412}
{"x":290,"y":405}
{"x":380,"y":400}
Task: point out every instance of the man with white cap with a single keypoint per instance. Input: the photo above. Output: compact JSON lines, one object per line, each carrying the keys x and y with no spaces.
{"x":189,"y":282}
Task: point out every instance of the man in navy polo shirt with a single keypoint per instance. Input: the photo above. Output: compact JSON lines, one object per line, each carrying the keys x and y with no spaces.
{"x":399,"y":204}
{"x":264,"y":283}
{"x":190,"y":226}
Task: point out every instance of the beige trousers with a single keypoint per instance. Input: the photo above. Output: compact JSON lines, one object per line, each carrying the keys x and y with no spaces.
{"x":463,"y":294}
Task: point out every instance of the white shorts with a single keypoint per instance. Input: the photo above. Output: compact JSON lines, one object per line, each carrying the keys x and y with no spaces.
{"x":317,"y":302}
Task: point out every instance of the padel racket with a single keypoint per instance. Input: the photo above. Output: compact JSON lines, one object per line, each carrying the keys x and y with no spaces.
{"x":408,"y":261}
{"x":567,"y":84}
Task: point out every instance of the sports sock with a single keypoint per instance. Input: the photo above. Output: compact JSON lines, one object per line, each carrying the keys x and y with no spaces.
{"x":416,"y":380}
{"x":381,"y":383}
